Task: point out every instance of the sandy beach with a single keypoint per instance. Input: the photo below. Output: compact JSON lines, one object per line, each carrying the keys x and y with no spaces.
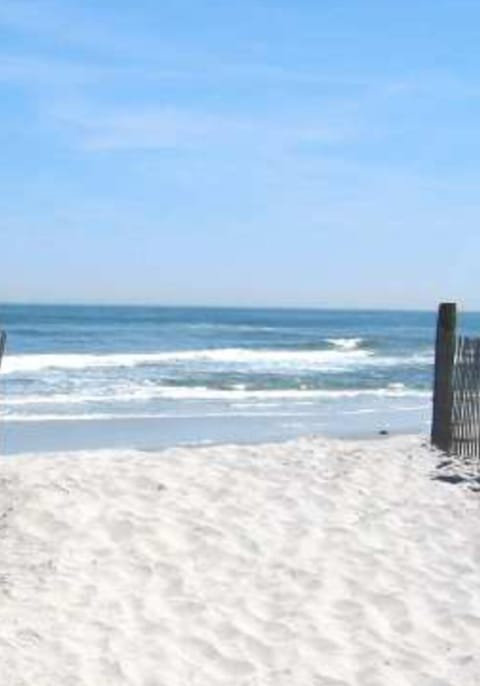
{"x":315,"y":562}
{"x":239,"y":304}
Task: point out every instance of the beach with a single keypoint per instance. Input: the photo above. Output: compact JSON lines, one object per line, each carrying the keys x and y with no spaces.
{"x":239,"y":343}
{"x":311,"y":562}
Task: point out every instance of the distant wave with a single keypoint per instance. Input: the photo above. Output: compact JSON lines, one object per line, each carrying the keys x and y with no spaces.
{"x":210,"y":326}
{"x":345,"y":343}
{"x":348,"y":356}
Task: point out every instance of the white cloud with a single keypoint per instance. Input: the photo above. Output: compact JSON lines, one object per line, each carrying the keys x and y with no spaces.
{"x":163,"y":127}
{"x":62,"y":24}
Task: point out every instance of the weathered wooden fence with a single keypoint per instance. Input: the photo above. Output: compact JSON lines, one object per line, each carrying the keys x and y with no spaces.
{"x":456,"y":396}
{"x":465,"y":440}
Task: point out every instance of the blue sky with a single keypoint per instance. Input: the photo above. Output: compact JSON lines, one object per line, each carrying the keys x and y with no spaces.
{"x":310,"y":153}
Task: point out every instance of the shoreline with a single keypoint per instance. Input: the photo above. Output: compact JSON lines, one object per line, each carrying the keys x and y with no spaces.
{"x":167,"y":432}
{"x":360,"y":438}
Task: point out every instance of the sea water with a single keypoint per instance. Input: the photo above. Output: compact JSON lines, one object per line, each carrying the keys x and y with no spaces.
{"x":82,"y":376}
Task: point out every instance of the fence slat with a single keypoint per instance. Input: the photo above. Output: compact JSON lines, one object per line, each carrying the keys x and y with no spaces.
{"x":459,"y":415}
{"x":477,"y":398}
{"x":457,"y":404}
{"x":468,"y":398}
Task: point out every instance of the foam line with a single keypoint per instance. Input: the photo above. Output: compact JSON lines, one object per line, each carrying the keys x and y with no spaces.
{"x":323,"y":360}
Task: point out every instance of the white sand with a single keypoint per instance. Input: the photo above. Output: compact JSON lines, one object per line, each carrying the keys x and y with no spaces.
{"x":313,"y":563}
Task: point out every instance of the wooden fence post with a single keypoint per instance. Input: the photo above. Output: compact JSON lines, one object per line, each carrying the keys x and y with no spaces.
{"x":442,"y":390}
{"x":3,"y":339}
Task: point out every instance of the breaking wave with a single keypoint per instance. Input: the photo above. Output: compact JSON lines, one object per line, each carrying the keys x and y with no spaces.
{"x":347,"y":354}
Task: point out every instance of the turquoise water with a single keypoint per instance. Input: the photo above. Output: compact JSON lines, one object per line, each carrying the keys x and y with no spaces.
{"x":147,"y":376}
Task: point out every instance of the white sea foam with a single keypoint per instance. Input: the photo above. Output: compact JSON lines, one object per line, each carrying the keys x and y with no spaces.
{"x":57,"y":417}
{"x":345,"y":343}
{"x":322,"y":360}
{"x":109,"y":416}
{"x":131,"y":393}
{"x":41,"y":362}
{"x":242,"y":410}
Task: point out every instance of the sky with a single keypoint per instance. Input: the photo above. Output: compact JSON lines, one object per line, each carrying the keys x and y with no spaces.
{"x":316,"y":153}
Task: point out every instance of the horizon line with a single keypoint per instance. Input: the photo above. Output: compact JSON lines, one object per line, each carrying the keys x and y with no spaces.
{"x":198,"y":306}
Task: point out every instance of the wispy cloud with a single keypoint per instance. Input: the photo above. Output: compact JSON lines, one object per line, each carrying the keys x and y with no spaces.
{"x":116,"y":92}
{"x":150,"y":128}
{"x":34,"y":72}
{"x":65,"y":24}
{"x":164,"y":127}
{"x":89,"y":100}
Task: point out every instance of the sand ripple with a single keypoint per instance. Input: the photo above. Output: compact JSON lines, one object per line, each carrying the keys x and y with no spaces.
{"x":313,"y":563}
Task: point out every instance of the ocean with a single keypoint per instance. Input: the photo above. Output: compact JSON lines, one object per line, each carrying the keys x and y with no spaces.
{"x":149,"y":377}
